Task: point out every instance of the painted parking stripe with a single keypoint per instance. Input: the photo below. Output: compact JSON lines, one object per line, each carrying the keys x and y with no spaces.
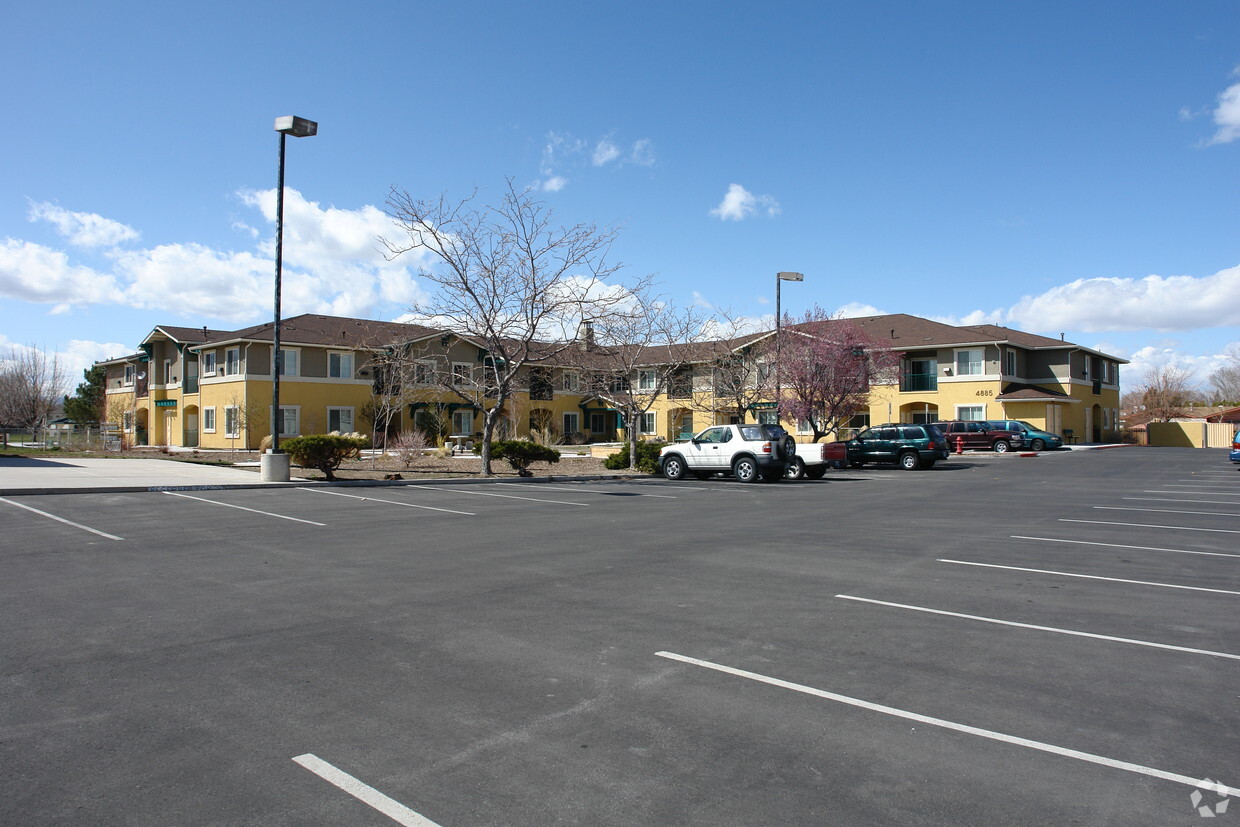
{"x":945,"y":724}
{"x":243,"y":508}
{"x":1037,"y":628}
{"x":1182,"y":500}
{"x":389,"y":502}
{"x":582,"y":490}
{"x":1164,"y":511}
{"x":1091,"y":577}
{"x":1147,"y":525}
{"x":365,"y":793}
{"x":505,"y":496}
{"x":1120,"y":545}
{"x":1212,"y":493}
{"x":103,"y":534}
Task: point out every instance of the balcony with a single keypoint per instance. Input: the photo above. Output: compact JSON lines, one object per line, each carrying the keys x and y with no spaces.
{"x":190,"y":385}
{"x":919,"y":382}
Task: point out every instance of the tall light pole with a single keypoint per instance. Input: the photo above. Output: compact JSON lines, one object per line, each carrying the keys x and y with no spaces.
{"x":780,"y":276}
{"x":298,"y":128}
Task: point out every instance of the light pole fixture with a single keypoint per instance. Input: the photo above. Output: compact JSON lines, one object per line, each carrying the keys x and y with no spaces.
{"x":783,"y":275}
{"x":298,"y":128}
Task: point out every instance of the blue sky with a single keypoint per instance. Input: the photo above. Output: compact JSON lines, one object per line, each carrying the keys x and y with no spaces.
{"x":1057,"y":167}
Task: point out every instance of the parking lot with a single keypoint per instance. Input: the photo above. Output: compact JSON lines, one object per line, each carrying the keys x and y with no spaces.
{"x":999,"y":640}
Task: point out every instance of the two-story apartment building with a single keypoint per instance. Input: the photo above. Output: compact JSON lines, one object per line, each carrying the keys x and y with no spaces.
{"x":199,"y":387}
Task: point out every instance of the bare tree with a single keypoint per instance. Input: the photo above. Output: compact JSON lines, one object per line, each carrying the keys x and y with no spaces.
{"x":635,"y":351}
{"x":508,"y":280}
{"x":1166,"y":391}
{"x":826,"y":367}
{"x":739,"y":366}
{"x":32,"y":383}
{"x":1225,"y":382}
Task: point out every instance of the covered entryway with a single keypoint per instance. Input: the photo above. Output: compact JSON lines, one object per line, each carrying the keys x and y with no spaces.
{"x":919,"y":413}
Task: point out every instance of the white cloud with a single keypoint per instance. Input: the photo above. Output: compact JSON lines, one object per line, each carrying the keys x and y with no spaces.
{"x":739,"y":203}
{"x":1155,"y":302}
{"x":856,"y":310}
{"x":604,"y":152}
{"x":1227,"y":116}
{"x":553,"y":184}
{"x":642,"y":153}
{"x":565,"y":152}
{"x":82,"y":229}
{"x":34,"y":273}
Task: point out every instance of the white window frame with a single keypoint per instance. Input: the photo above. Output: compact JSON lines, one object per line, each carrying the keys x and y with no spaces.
{"x":646,"y":380}
{"x":232,"y":361}
{"x":295,"y":352}
{"x":130,"y":372}
{"x":768,"y":417}
{"x":1085,"y":373}
{"x":459,"y":418}
{"x":572,"y":422}
{"x":803,"y":427}
{"x":232,"y":421}
{"x":599,"y":418}
{"x":293,"y":412}
{"x":424,"y":372}
{"x":1009,"y":362}
{"x":462,"y":374}
{"x":208,"y":363}
{"x":963,"y":411}
{"x":208,"y":420}
{"x":342,"y":357}
{"x":649,"y":423}
{"x":967,"y":352}
{"x":340,"y":409}
{"x":127,"y":420}
{"x":571,"y":381}
{"x":167,"y":371}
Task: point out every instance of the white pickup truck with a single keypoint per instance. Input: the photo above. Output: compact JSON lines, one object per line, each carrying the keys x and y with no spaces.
{"x":748,"y":452}
{"x":814,"y":458}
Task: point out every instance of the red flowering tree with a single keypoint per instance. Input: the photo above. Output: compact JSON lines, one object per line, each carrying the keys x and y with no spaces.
{"x":826,"y":367}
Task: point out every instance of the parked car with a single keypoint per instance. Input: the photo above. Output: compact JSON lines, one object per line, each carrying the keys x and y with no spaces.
{"x":1234,"y":456}
{"x":1035,"y":438}
{"x":979,"y":436}
{"x":747,"y":452}
{"x":814,"y":458}
{"x":909,"y":446}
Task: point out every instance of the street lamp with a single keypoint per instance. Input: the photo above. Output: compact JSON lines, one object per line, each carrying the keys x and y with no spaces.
{"x":298,"y":128}
{"x":780,"y":276}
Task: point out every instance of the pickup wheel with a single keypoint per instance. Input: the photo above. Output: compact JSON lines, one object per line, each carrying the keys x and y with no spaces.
{"x":795,"y":470}
{"x":1002,"y":446}
{"x":816,"y":473}
{"x":745,"y":469}
{"x":909,"y":461}
{"x":674,"y":467}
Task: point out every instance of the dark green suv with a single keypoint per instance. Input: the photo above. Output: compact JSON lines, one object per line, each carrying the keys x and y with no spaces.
{"x":909,"y":446}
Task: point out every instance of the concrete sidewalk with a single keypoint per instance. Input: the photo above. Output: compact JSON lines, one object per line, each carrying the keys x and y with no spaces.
{"x":48,"y":475}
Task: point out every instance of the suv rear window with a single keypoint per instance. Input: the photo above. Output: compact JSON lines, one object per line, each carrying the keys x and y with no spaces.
{"x":912,"y":433}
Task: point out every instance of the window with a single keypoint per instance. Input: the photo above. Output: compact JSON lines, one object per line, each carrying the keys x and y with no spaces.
{"x":127,"y":420}
{"x":232,"y":422}
{"x":289,"y":362}
{"x":970,"y":362}
{"x":424,"y":373}
{"x":288,"y":422}
{"x":598,"y":422}
{"x":1085,"y":370}
{"x":572,"y":382}
{"x":462,"y":373}
{"x":572,"y":422}
{"x":971,"y":412}
{"x":1009,"y":362}
{"x":208,"y":363}
{"x":232,"y":361}
{"x":208,"y":420}
{"x":804,"y":426}
{"x":646,"y":380}
{"x":129,"y":372}
{"x":768,"y":418}
{"x":921,"y":375}
{"x":462,"y":422}
{"x":340,"y":419}
{"x":168,"y":372}
{"x":540,"y":383}
{"x":648,"y":422}
{"x":340,"y":365}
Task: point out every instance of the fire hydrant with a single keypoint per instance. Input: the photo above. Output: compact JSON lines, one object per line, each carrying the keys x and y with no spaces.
{"x":959,"y":445}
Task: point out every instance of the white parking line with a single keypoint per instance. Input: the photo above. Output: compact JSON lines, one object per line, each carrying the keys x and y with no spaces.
{"x":1091,"y":577}
{"x":584,"y":490}
{"x":390,"y":807}
{"x":1164,"y":511}
{"x":1147,"y":525}
{"x":1119,"y":545}
{"x":1219,"y":493}
{"x":1179,"y":500}
{"x":389,"y":502}
{"x":462,"y":490}
{"x":243,"y":508}
{"x":62,"y":520}
{"x":1036,"y":628}
{"x":945,"y":724}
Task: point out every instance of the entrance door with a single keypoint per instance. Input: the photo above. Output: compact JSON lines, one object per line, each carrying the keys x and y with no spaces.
{"x":170,"y":428}
{"x":1054,"y":419}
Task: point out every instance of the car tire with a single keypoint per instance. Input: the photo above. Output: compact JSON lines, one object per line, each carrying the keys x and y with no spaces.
{"x":795,"y":470}
{"x":856,"y":463}
{"x":816,"y":473}
{"x":1002,"y":446}
{"x":1038,"y":445}
{"x":745,"y":469}
{"x":674,"y":467}
{"x":909,"y":461}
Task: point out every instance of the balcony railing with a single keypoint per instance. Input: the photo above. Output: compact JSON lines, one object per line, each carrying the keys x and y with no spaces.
{"x":919,"y":382}
{"x":190,"y":385}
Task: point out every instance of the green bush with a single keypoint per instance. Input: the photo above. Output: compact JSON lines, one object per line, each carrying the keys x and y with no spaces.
{"x":521,"y":454}
{"x":647,"y":458}
{"x":324,"y":452}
